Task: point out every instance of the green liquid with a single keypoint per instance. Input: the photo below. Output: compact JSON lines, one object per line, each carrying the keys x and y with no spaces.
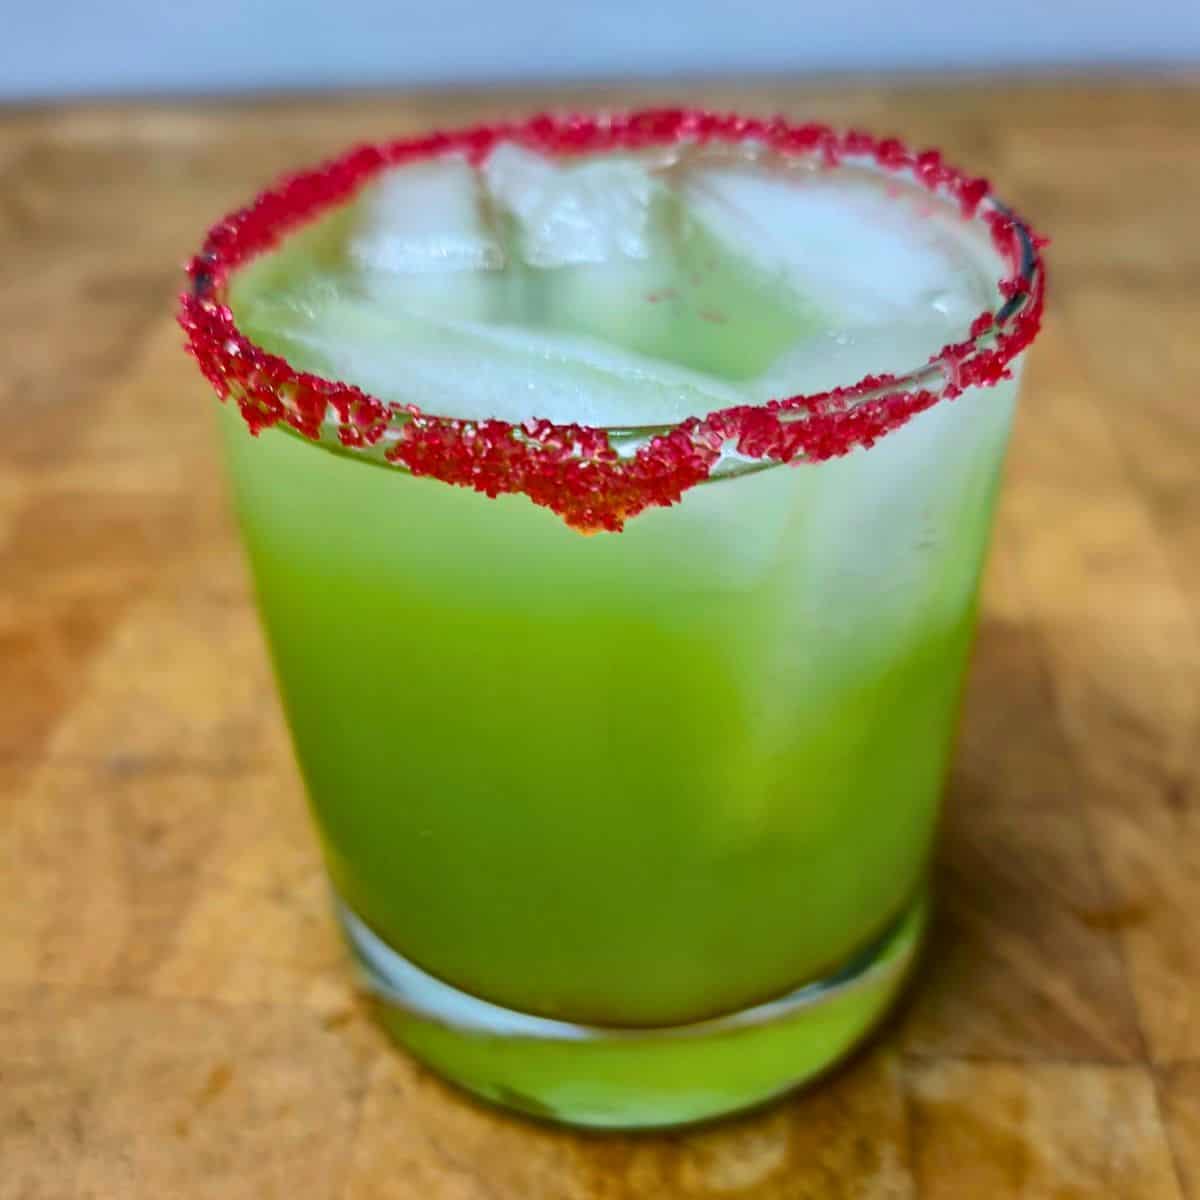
{"x":620,"y":779}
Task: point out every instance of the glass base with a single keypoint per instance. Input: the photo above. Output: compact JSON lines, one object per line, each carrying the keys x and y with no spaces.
{"x":625,"y":1078}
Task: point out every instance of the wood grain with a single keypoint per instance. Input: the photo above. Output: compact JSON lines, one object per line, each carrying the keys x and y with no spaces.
{"x":176,"y":1014}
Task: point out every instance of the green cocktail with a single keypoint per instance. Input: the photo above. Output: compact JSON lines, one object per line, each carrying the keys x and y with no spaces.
{"x":628,"y":829}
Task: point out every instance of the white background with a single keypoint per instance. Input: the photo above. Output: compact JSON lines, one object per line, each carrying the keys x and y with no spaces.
{"x":126,"y":47}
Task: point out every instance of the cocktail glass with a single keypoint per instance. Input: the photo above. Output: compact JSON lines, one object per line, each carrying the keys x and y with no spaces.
{"x":627,"y":830}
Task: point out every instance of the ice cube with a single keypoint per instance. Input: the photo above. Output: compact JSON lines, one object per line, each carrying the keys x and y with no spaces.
{"x":890,"y":532}
{"x":595,"y":234}
{"x":842,"y":356}
{"x":420,"y":241}
{"x":589,"y":212}
{"x":515,"y":373}
{"x":864,"y":255}
{"x":424,"y":218}
{"x":476,"y":370}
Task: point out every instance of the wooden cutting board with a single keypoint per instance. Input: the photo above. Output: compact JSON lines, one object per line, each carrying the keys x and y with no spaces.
{"x":176,"y":1015}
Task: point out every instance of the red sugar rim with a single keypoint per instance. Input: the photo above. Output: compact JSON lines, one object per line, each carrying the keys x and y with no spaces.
{"x":576,"y":470}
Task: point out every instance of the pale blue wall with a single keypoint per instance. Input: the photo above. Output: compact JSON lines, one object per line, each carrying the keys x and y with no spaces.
{"x":53,"y":47}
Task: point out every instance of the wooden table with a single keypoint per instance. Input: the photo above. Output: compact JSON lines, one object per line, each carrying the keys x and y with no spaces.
{"x":176,"y":1014}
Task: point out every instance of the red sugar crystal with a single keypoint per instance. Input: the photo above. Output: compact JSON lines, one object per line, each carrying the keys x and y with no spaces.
{"x":573,"y":469}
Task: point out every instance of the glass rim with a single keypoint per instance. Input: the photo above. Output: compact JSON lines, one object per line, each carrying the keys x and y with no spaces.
{"x":596,"y":477}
